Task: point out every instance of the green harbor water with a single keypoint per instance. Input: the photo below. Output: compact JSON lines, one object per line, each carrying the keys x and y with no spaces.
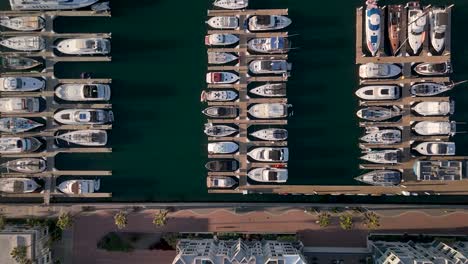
{"x":158,"y":68}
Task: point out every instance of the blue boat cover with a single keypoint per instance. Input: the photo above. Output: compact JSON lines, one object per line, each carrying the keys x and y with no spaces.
{"x":277,"y":43}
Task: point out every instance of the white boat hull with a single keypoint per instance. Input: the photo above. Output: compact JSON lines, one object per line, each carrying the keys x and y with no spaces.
{"x":373,"y":33}
{"x":84,"y":46}
{"x":21,"y":84}
{"x":270,"y":90}
{"x":84,"y":116}
{"x":218,"y":96}
{"x":83,"y":92}
{"x":18,"y":185}
{"x":435,"y":108}
{"x":19,"y":105}
{"x":379,"y":92}
{"x":221,"y":39}
{"x":416,"y":29}
{"x":223,"y":22}
{"x":24,"y":43}
{"x":221,"y":77}
{"x":220,"y":57}
{"x":50,"y":4}
{"x":269,"y":154}
{"x":436,"y":148}
{"x":272,"y":175}
{"x":265,"y":111}
{"x":24,"y":23}
{"x":231,"y":4}
{"x":79,"y":186}
{"x":271,"y":134}
{"x":17,"y":124}
{"x":89,"y":138}
{"x":378,"y":70}
{"x":432,"y":128}
{"x":222,"y":147}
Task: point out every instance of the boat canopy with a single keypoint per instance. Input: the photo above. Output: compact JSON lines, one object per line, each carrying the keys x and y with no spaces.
{"x":264,"y":20}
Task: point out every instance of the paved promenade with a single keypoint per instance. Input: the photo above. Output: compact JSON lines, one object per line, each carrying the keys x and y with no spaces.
{"x":90,"y":227}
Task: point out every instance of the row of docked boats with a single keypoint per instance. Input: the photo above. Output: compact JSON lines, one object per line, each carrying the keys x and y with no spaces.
{"x":57,"y":4}
{"x":254,"y":23}
{"x":265,"y":45}
{"x":420,"y":21}
{"x":388,"y":71}
{"x":29,"y":185}
{"x":75,"y":46}
{"x":260,"y":111}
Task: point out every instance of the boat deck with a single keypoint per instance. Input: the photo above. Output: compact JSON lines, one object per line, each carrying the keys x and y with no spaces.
{"x":50,"y":105}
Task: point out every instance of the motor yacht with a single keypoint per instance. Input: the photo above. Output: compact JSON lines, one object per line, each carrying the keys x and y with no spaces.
{"x":76,"y":187}
{"x":267,"y":110}
{"x":84,"y":116}
{"x":219,"y":130}
{"x":377,"y":113}
{"x":378,"y":70}
{"x":223,"y":22}
{"x":15,"y":145}
{"x":271,"y":45}
{"x":373,"y":30}
{"x":379,"y":92}
{"x":221,"y":182}
{"x":384,"y":136}
{"x":17,"y":124}
{"x":220,"y":57}
{"x":269,"y":175}
{"x":83,"y":92}
{"x":433,"y":69}
{"x":221,"y":111}
{"x":222,"y":165}
{"x":221,"y":77}
{"x":26,"y":165}
{"x":395,"y":13}
{"x":271,"y":134}
{"x":417,"y":20}
{"x":270,"y":67}
{"x":231,"y":4}
{"x":84,"y":46}
{"x":389,"y":156}
{"x":218,"y":96}
{"x":269,"y":154}
{"x":381,"y":178}
{"x":14,"y":105}
{"x":18,"y":185}
{"x":49,"y":4}
{"x":268,"y":22}
{"x":24,"y":43}
{"x":19,"y":63}
{"x":433,"y":128}
{"x":435,"y":108}
{"x":221,"y":39}
{"x":438,"y":19}
{"x":23,"y":23}
{"x":436,"y":148}
{"x":21,"y":84}
{"x":226,"y":147}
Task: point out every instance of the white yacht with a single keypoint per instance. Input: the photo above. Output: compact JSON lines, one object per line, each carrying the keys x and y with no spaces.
{"x":26,"y":165}
{"x":271,"y":45}
{"x":83,"y":92}
{"x":433,"y":69}
{"x":23,"y":23}
{"x":18,"y":185}
{"x":223,"y":22}
{"x":221,"y":111}
{"x":231,"y":4}
{"x":381,"y":178}
{"x":219,"y":130}
{"x":377,"y":113}
{"x":221,"y":77}
{"x":271,"y":134}
{"x":268,"y":22}
{"x":378,"y":70}
{"x":429,"y":88}
{"x":220,"y":57}
{"x":266,"y":110}
{"x":436,"y":148}
{"x":270,"y":66}
{"x":417,"y":20}
{"x":91,"y":137}
{"x":49,"y":4}
{"x":84,"y":116}
{"x":379,"y":92}
{"x":84,"y":46}
{"x":17,"y":124}
{"x":438,"y":18}
{"x":221,"y":39}
{"x":390,"y":156}
{"x":226,"y":147}
{"x":221,"y":182}
{"x":433,"y":128}
{"x":435,"y":108}
{"x":79,"y":186}
{"x":270,"y":90}
{"x":21,"y":84}
{"x":273,"y":175}
{"x":218,"y":96}
{"x":24,"y":43}
{"x":373,"y":30}
{"x":382,"y":136}
{"x":14,"y":105}
{"x":15,"y":145}
{"x":269,"y":154}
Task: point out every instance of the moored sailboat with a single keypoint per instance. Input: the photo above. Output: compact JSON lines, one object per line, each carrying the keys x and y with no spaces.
{"x":26,"y":165}
{"x":17,"y":124}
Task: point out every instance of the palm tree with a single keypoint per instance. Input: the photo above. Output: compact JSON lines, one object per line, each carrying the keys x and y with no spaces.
{"x":65,"y":221}
{"x":19,"y":255}
{"x":120,"y":219}
{"x":346,"y":221}
{"x":324,"y":219}
{"x":372,"y":220}
{"x":160,"y":219}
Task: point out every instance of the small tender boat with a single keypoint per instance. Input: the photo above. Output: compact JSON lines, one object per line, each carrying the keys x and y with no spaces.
{"x":221,"y":111}
{"x":49,"y":4}
{"x":383,"y":156}
{"x":17,"y":124}
{"x":270,"y":66}
{"x":384,"y":136}
{"x":84,"y":116}
{"x":23,"y":23}
{"x":222,"y":147}
{"x":220,"y":182}
{"x":219,"y":130}
{"x":83,"y":92}
{"x":273,"y":110}
{"x":21,"y":84}
{"x":377,"y":113}
{"x":270,"y":90}
{"x":220,"y":57}
{"x":435,"y":108}
{"x":269,"y":154}
{"x":438,"y":18}
{"x":221,"y":77}
{"x":221,"y":39}
{"x":268,"y":22}
{"x":373,"y":22}
{"x":378,"y":70}
{"x":429,"y":88}
{"x":381,"y":178}
{"x":436,"y":148}
{"x":218,"y":96}
{"x":18,"y":185}
{"x":12,"y":145}
{"x":19,"y":105}
{"x":271,"y":45}
{"x":24,"y":43}
{"x":430,"y":69}
{"x":222,"y":165}
{"x":271,"y":134}
{"x":231,"y":4}
{"x":394,"y":26}
{"x":223,"y":22}
{"x":417,"y":20}
{"x":379,"y":92}
{"x":19,"y":63}
{"x":26,"y":165}
{"x":91,"y":137}
{"x":84,"y":46}
{"x":432,"y":128}
{"x":274,"y":175}
{"x":79,"y":186}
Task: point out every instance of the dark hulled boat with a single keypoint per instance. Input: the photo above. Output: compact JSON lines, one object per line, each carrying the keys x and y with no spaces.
{"x":222,"y":165}
{"x":221,"y":111}
{"x":394,"y":26}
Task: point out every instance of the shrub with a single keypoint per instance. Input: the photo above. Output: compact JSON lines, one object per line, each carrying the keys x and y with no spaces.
{"x":64,"y":221}
{"x":120,"y":220}
{"x":346,"y":221}
{"x":371,"y":220}
{"x":160,"y":219}
{"x":324,"y":219}
{"x":113,"y":242}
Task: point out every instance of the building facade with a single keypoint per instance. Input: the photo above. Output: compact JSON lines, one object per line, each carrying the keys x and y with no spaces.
{"x":419,"y":253}
{"x":210,"y":251}
{"x":35,"y":239}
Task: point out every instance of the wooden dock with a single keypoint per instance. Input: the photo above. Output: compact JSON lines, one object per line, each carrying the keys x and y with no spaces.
{"x":49,"y":105}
